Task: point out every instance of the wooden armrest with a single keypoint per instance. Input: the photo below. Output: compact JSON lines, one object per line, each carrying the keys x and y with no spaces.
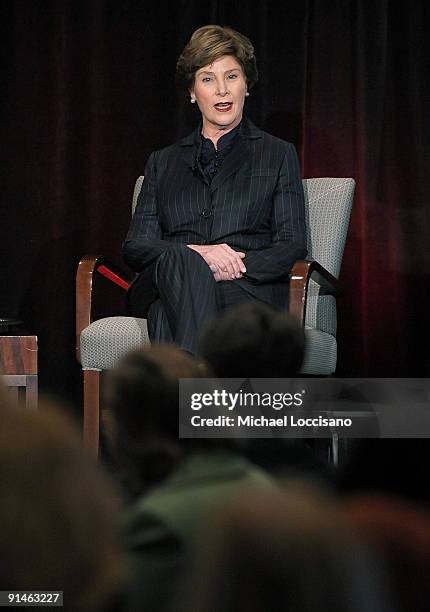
{"x":300,"y":276}
{"x":84,"y":288}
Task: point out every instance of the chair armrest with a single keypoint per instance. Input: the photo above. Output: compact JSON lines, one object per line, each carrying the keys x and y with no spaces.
{"x":301,"y":273}
{"x":88,"y":265}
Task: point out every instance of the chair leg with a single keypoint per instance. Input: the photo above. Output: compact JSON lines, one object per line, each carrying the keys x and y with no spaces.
{"x":334,"y":449}
{"x":91,"y":410}
{"x":31,"y":391}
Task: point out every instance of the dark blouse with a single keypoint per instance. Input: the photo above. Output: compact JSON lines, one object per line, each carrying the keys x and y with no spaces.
{"x":209,"y":158}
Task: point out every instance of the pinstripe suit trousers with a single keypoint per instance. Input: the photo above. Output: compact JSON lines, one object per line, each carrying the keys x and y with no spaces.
{"x":188,"y":297}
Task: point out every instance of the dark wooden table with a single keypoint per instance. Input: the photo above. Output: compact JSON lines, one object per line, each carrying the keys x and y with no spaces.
{"x":18,"y":365}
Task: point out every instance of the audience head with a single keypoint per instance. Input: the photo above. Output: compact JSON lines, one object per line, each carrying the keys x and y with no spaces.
{"x":142,"y":396}
{"x":253,"y":340}
{"x":288,"y":550}
{"x":60,"y":526}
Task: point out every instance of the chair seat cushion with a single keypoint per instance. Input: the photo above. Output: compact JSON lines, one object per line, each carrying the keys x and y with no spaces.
{"x":320,"y":353}
{"x":106,"y":341}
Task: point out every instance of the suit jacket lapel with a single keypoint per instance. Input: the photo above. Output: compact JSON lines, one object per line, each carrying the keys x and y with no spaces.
{"x":189,"y":147}
{"x":239,"y":156}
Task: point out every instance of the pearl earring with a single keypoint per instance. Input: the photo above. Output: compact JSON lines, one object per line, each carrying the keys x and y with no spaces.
{"x":247,"y":93}
{"x":193,"y":100}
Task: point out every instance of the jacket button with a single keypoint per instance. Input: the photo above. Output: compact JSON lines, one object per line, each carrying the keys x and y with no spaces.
{"x":206,"y":213}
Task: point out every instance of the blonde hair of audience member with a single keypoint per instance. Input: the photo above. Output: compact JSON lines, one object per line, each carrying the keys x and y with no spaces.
{"x":60,"y":525}
{"x":290,"y":551}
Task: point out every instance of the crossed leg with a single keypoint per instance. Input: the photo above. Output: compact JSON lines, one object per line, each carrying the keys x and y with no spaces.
{"x":188,"y":297}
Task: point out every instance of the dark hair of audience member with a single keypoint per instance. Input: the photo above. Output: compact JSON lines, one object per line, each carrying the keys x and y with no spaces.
{"x":291,"y":551}
{"x":60,"y":524}
{"x":143,"y":398}
{"x":399,"y":532}
{"x":253,"y":340}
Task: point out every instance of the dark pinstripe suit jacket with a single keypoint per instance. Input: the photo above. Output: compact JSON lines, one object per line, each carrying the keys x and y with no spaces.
{"x":254,"y":204}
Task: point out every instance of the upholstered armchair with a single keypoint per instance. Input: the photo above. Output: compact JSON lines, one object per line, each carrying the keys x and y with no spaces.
{"x":314,"y":286}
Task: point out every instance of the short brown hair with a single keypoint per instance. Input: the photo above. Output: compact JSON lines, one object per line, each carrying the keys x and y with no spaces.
{"x":209,"y":43}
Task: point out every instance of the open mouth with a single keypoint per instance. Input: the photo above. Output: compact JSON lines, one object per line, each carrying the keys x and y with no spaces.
{"x":224,"y":107}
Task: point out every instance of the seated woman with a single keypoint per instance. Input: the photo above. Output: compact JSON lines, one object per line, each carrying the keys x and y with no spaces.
{"x":220,"y":218}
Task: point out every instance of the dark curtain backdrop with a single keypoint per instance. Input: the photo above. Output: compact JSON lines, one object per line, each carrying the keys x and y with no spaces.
{"x":88,"y":92}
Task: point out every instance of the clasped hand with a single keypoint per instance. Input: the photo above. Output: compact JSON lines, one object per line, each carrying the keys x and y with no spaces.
{"x":224,"y":262}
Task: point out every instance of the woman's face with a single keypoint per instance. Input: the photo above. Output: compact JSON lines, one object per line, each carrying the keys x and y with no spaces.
{"x":219,"y":90}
